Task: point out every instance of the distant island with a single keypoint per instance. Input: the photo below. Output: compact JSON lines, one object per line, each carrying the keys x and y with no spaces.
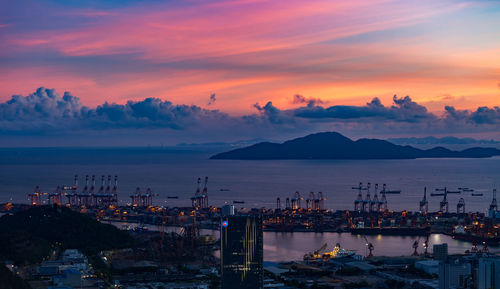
{"x":333,"y":145}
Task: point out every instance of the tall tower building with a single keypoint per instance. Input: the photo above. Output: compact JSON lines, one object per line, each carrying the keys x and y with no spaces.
{"x":241,"y":252}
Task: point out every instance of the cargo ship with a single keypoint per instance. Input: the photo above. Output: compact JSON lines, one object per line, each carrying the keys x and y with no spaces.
{"x":491,"y":241}
{"x":336,"y":253}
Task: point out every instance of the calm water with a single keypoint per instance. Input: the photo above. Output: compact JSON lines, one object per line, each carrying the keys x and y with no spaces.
{"x":292,"y":246}
{"x":258,"y":183}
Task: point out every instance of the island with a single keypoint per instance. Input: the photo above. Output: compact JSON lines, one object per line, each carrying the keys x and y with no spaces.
{"x":333,"y":145}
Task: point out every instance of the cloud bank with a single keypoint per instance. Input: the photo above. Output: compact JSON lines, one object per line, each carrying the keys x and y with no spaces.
{"x":254,"y":51}
{"x":44,"y":112}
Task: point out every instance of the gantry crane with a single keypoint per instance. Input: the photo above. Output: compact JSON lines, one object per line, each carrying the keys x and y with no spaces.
{"x":426,"y":246}
{"x":424,"y":204}
{"x":359,"y":199}
{"x":461,"y":206}
{"x":367,"y":201}
{"x":415,"y":247}
{"x":370,"y":248}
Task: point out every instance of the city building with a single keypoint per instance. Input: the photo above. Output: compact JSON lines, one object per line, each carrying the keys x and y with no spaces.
{"x":227,"y":210}
{"x":488,"y":273}
{"x":440,"y":252}
{"x":241,"y":252}
{"x":68,"y":277}
{"x":428,"y":266}
{"x":455,"y":273}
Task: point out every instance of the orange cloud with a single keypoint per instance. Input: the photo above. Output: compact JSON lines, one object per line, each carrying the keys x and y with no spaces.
{"x":253,"y":51}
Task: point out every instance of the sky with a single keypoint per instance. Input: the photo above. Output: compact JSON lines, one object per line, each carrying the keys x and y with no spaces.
{"x":149,"y":72}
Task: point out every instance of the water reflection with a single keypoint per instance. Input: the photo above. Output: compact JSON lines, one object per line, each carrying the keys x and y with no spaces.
{"x":286,"y":246}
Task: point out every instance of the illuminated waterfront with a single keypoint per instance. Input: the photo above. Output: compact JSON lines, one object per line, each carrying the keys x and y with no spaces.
{"x":285,"y":246}
{"x":258,"y":183}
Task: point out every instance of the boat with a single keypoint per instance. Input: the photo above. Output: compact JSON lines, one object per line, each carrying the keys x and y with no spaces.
{"x":238,"y":202}
{"x":477,"y":194}
{"x":453,"y":192}
{"x":395,"y":192}
{"x":468,"y":237}
{"x":437,"y":194}
{"x":172,"y":197}
{"x":466,"y":190}
{"x":224,"y":190}
{"x":336,"y":253}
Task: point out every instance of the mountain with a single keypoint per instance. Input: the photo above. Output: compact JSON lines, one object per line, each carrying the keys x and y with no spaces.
{"x":332,"y":145}
{"x":447,"y":140}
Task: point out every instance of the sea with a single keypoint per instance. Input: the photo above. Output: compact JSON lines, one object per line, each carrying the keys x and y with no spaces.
{"x":173,"y":172}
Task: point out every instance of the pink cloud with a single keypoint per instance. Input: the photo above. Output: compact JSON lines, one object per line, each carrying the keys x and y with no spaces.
{"x":251,"y":51}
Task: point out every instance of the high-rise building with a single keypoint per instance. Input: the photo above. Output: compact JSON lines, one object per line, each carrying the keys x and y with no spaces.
{"x":440,"y":252}
{"x":488,"y":273}
{"x":455,"y":273}
{"x":241,"y":252}
{"x":227,"y":210}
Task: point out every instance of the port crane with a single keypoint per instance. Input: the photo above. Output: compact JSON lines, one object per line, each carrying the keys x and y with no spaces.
{"x":443,"y":205}
{"x":108,"y":187}
{"x":101,"y":189}
{"x":426,"y":246}
{"x":200,"y":198}
{"x":115,"y":187}
{"x":375,"y":204}
{"x":92,"y":188}
{"x":297,"y":201}
{"x":461,"y":206}
{"x":321,"y":200}
{"x":359,"y":199}
{"x":424,"y":204}
{"x":370,"y":248}
{"x":474,"y":247}
{"x":493,"y":205}
{"x":415,"y":247}
{"x":390,"y":192}
{"x":86,"y":188}
{"x":367,"y":201}
{"x":320,"y":250}
{"x":310,"y":203}
{"x":383,"y":201}
{"x":36,"y":197}
{"x":317,"y":253}
{"x":485,"y":248}
{"x":195,"y":199}
{"x":204,"y":194}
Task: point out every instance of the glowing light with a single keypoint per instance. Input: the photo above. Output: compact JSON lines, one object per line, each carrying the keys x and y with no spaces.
{"x":225,"y":224}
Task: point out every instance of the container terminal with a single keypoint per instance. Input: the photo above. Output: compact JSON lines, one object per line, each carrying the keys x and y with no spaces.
{"x":301,"y":213}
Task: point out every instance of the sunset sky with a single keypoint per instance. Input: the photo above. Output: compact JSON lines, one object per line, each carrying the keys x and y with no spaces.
{"x":257,"y":67}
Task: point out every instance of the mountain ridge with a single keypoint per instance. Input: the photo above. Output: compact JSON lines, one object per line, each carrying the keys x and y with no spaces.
{"x":333,"y":145}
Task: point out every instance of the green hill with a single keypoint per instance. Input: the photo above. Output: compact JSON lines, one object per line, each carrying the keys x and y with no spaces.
{"x":28,"y":236}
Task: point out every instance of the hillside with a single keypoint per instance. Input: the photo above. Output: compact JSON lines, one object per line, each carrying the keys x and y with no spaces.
{"x":28,"y":236}
{"x":332,"y":145}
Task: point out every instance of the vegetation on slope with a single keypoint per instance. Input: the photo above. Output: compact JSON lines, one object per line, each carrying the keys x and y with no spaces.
{"x":28,"y":236}
{"x":9,"y":280}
